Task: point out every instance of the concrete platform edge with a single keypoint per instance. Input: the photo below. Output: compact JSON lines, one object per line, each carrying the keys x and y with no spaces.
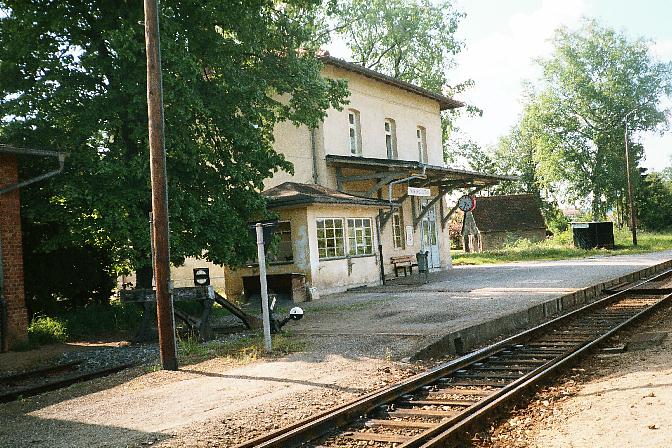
{"x":466,"y":339}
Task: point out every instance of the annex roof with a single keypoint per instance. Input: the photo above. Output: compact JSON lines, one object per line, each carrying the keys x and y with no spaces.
{"x":508,"y":213}
{"x":292,"y":194}
{"x":436,"y":175}
{"x":444,"y":101}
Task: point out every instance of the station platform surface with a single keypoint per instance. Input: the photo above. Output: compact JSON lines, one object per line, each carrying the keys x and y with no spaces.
{"x":407,"y":313}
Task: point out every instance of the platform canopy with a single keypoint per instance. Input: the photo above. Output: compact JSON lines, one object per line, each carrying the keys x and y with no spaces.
{"x":376,"y":176}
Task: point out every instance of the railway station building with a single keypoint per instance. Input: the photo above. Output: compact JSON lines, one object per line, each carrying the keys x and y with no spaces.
{"x":368,"y":190}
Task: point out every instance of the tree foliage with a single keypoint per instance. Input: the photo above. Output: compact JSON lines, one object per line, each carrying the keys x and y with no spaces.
{"x":654,"y":208}
{"x":72,"y":78}
{"x":410,"y":40}
{"x":595,"y":78}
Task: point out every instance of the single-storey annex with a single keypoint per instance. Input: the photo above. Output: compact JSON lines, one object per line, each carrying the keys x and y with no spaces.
{"x":499,"y":220}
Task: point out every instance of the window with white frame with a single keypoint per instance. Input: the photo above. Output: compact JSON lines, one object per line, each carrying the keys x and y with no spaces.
{"x":360,"y":238}
{"x":421,"y":134}
{"x":391,"y":138}
{"x":397,"y":230}
{"x":330,"y":238}
{"x":354,"y":132}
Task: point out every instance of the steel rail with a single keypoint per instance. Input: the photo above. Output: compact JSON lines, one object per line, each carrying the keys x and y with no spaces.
{"x":451,"y":430}
{"x":319,"y":425}
{"x":62,"y":382}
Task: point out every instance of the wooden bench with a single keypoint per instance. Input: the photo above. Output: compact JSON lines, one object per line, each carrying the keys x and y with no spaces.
{"x":403,"y":262}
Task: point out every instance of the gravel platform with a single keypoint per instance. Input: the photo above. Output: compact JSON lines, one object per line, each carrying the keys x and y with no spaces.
{"x":408,"y":312}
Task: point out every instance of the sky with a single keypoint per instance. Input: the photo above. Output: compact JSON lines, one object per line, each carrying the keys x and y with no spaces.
{"x":503,"y":37}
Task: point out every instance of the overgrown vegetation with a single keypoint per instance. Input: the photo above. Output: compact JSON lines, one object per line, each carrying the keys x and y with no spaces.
{"x":95,"y":321}
{"x":561,"y":247}
{"x":46,"y":330}
{"x":241,"y":350}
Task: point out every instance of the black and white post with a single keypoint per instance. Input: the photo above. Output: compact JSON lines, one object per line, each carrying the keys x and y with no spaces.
{"x":264,"y":288}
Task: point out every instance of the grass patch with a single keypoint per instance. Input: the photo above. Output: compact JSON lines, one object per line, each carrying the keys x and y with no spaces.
{"x":46,"y":330}
{"x":92,"y":322}
{"x":241,"y":350}
{"x":561,"y":247}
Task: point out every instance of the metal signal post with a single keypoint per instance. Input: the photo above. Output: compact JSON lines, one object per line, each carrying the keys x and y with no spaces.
{"x":157,"y":161}
{"x":631,"y":205}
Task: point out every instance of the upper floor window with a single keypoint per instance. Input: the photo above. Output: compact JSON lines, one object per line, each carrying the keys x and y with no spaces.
{"x":354,"y":132}
{"x":421,"y":134}
{"x":391,"y":138}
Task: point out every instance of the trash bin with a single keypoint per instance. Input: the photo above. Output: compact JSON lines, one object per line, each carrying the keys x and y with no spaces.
{"x":423,"y":262}
{"x":589,"y":235}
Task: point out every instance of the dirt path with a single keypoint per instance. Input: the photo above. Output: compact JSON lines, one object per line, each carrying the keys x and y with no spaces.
{"x":622,"y":400}
{"x":209,"y":404}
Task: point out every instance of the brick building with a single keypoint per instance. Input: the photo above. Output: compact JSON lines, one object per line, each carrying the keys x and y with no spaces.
{"x":11,"y":267}
{"x":13,"y":313}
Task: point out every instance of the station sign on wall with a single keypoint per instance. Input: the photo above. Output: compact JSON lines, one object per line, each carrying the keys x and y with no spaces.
{"x":417,"y":191}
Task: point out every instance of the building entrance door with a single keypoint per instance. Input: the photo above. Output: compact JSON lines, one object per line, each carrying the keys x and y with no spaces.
{"x":430,"y":240}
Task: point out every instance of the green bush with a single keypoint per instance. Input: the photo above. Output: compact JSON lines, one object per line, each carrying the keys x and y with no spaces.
{"x":47,"y":330}
{"x":102,"y":320}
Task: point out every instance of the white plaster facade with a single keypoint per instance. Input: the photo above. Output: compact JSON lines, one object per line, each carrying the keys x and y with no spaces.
{"x":375,"y":102}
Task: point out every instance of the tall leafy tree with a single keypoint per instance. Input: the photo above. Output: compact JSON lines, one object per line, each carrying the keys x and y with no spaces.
{"x":409,"y":40}
{"x":595,"y":78}
{"x":72,"y":78}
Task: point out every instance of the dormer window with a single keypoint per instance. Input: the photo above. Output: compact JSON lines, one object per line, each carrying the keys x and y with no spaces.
{"x":421,"y":134}
{"x":355,"y":133}
{"x":391,"y":138}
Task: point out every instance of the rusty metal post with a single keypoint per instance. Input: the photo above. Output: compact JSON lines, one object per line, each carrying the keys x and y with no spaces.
{"x":157,"y":162}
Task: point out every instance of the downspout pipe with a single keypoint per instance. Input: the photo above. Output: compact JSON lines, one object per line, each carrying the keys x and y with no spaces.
{"x":16,"y":186}
{"x":399,"y":181}
{"x":313,"y":151}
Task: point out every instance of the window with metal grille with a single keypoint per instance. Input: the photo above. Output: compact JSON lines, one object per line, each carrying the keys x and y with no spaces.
{"x":397,"y":231}
{"x":421,"y":134}
{"x":360,"y":239}
{"x":391,"y":138}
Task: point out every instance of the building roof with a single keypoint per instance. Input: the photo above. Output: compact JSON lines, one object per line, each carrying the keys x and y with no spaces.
{"x":508,"y":213}
{"x":436,"y":175}
{"x":444,"y":101}
{"x":292,"y":194}
{"x":9,"y":149}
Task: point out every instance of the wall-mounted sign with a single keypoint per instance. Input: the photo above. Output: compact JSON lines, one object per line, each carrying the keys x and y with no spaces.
{"x":409,"y":236}
{"x":202,"y":276}
{"x":417,"y":191}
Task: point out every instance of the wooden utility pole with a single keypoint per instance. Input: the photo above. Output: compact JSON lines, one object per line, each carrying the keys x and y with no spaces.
{"x":157,"y":162}
{"x":628,"y":173}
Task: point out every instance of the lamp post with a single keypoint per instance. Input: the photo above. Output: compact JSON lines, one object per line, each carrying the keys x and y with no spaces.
{"x":631,"y":205}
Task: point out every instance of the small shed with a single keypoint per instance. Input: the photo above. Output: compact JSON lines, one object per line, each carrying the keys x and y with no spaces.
{"x":498,"y":220}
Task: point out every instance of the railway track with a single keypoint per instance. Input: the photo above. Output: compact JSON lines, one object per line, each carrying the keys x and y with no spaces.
{"x":49,"y":378}
{"x":437,"y":407}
